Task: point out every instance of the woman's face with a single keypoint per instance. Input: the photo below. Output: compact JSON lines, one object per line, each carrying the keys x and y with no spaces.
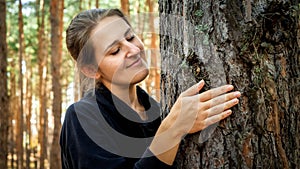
{"x":119,"y":53}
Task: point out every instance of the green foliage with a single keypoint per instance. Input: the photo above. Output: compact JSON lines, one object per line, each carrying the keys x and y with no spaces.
{"x":12,"y":27}
{"x":71,"y":8}
{"x":30,"y":29}
{"x":201,"y":28}
{"x":199,"y":13}
{"x":295,"y":10}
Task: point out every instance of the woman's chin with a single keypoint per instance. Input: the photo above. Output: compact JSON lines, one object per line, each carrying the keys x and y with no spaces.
{"x":140,"y":76}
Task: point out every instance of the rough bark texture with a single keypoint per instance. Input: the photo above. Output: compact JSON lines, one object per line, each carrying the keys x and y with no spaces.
{"x":56,"y":11}
{"x":252,"y":45}
{"x":4,"y":101}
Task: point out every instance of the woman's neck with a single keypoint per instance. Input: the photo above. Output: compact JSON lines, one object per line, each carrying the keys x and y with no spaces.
{"x":128,"y":94}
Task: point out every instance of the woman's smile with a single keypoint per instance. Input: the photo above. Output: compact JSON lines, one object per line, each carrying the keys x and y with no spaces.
{"x":135,"y":63}
{"x":120,"y":55}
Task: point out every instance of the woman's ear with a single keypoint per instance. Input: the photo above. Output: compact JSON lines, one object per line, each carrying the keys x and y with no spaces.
{"x":91,"y":71}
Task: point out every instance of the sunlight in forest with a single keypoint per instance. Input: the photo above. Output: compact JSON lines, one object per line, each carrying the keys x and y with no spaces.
{"x":37,"y":119}
{"x":250,"y":48}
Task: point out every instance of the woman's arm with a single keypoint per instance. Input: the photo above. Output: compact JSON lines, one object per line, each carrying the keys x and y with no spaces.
{"x":191,"y":113}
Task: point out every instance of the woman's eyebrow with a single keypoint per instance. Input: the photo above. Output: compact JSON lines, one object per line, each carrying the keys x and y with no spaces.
{"x":116,"y":41}
{"x":127,"y":31}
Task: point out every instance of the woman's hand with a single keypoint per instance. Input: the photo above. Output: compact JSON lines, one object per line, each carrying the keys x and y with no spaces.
{"x":193,"y":112}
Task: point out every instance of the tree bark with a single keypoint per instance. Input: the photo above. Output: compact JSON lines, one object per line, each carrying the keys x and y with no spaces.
{"x":253,"y":46}
{"x":56,"y":12}
{"x":4,"y":100}
{"x":20,"y":116}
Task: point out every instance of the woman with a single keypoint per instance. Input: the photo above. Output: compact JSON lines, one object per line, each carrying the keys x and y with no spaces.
{"x":116,"y":124}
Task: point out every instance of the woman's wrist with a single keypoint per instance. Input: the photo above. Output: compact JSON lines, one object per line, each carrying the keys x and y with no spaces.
{"x":165,"y":143}
{"x":166,"y":137}
{"x":169,"y":125}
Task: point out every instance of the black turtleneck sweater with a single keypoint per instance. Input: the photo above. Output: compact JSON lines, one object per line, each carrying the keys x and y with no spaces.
{"x":101,"y":131}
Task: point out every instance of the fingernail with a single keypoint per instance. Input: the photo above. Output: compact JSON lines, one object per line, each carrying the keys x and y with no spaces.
{"x":237,"y":94}
{"x":235,"y":100}
{"x":230,"y":87}
{"x":228,"y":112}
{"x":201,"y":81}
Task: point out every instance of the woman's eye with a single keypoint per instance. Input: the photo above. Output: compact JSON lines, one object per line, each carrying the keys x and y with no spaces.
{"x":130,"y":38}
{"x":116,"y":51}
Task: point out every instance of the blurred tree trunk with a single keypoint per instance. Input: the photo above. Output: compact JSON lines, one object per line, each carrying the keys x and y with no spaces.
{"x":20,"y":116}
{"x":253,"y":46}
{"x":13,"y":109}
{"x":140,"y":19}
{"x":154,"y":74}
{"x":125,"y":7}
{"x":56,"y":18}
{"x":80,"y":5}
{"x":29,"y":110}
{"x":97,"y":4}
{"x":4,"y":100}
{"x":89,"y":4}
{"x":29,"y":92}
{"x":42,"y":73}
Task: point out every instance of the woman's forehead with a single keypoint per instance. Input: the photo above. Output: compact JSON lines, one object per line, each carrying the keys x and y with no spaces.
{"x":110,"y":25}
{"x":108,"y":30}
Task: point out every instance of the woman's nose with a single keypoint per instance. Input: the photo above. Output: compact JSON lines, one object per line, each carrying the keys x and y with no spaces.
{"x":131,"y":48}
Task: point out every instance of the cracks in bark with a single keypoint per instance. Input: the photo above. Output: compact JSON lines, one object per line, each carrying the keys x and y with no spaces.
{"x":260,"y":135}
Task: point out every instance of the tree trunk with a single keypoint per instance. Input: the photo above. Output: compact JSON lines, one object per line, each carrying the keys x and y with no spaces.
{"x":154,"y":67}
{"x":4,"y":101}
{"x":56,"y":12}
{"x":89,"y":4}
{"x":125,"y":7}
{"x":253,"y":46}
{"x":29,"y":93}
{"x":20,"y":117}
{"x":13,"y":109}
{"x":97,"y":4}
{"x":80,"y":5}
{"x":42,"y":72}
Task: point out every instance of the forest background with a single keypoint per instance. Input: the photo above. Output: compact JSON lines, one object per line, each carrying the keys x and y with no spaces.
{"x":253,"y":45}
{"x":40,"y":75}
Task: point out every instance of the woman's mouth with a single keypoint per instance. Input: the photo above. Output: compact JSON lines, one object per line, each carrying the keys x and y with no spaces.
{"x":135,"y":63}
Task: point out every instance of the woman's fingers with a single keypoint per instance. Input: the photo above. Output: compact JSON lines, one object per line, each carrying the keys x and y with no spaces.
{"x":204,"y":109}
{"x":207,"y":95}
{"x":214,"y":108}
{"x":221,"y":99}
{"x":218,"y":108}
{"x":194,"y":89}
{"x":201,"y":124}
{"x":221,"y":107}
{"x":216,"y":118}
